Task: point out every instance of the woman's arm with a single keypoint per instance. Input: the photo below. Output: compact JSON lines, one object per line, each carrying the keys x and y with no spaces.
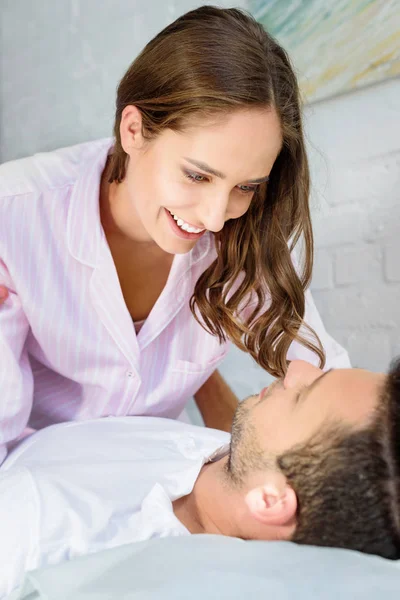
{"x":16,"y":379}
{"x":3,"y":294}
{"x":216,"y":402}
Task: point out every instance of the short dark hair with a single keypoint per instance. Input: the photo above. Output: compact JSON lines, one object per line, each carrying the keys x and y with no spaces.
{"x":348,"y":481}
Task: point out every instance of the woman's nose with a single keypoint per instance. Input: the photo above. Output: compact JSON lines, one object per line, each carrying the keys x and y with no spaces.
{"x":300,"y":372}
{"x":213,"y":215}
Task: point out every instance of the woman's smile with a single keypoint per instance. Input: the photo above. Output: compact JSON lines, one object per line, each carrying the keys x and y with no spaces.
{"x":185,"y":225}
{"x":182,"y":229}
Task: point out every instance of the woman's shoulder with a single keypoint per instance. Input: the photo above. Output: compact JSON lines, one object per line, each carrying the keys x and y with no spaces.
{"x":46,"y":171}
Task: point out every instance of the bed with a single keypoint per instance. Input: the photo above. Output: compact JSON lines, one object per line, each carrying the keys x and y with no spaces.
{"x":203,"y":567}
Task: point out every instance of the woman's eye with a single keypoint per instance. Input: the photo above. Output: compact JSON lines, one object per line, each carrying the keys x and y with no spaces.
{"x":196,"y":177}
{"x":247,"y":189}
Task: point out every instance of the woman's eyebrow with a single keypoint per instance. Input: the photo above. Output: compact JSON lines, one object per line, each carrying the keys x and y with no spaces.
{"x":204,"y":167}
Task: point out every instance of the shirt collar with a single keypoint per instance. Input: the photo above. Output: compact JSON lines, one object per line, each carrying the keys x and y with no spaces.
{"x":84,"y":230}
{"x":219,"y":453}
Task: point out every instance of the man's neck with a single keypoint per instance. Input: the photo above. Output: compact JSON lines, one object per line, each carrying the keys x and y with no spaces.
{"x":211,"y":506}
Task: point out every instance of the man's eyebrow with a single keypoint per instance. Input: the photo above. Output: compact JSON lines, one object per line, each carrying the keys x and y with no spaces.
{"x":204,"y":167}
{"x":313,"y":385}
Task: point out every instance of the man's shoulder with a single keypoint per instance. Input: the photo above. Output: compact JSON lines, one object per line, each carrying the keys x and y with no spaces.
{"x":45,"y":171}
{"x":124,"y":438}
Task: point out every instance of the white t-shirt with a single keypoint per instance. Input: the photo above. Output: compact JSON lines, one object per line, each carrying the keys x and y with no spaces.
{"x":80,"y":487}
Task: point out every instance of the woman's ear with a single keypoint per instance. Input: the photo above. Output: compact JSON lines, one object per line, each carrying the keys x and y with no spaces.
{"x":271,"y":505}
{"x":130,"y":129}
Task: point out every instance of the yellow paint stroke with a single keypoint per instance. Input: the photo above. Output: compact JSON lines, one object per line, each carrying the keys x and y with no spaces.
{"x":361,"y":47}
{"x":393,"y":38}
{"x":385,"y":62}
{"x":331,"y":72}
{"x":390,"y":61}
{"x":372,"y":68}
{"x":394,"y":69}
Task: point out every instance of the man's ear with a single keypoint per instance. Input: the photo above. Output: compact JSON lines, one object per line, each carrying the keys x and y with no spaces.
{"x":130,"y":129}
{"x":272,"y":505}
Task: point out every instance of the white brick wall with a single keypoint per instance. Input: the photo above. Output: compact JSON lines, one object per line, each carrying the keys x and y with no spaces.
{"x":355,"y":162}
{"x":392,"y":259}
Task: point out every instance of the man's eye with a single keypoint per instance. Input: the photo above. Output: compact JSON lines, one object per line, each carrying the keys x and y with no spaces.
{"x":300,"y":393}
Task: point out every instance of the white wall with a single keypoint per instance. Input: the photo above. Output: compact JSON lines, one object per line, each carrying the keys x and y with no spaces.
{"x":60,"y":64}
{"x":355,"y":160}
{"x":61,"y":61}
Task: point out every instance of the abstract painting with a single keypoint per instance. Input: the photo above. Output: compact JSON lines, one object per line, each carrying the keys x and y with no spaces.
{"x":335,"y":45}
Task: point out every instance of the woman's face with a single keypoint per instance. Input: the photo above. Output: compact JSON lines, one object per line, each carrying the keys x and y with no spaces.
{"x":180,"y":185}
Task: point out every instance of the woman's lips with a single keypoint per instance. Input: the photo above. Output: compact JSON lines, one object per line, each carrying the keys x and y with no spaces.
{"x":185,"y":235}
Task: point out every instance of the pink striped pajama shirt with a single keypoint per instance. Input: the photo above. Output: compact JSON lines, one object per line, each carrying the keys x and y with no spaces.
{"x":68,"y":347}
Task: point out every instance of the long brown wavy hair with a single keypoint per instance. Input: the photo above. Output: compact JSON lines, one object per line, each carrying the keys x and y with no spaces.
{"x":212,"y":61}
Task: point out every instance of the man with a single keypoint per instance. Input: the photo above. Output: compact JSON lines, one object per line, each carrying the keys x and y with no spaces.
{"x":313,"y":458}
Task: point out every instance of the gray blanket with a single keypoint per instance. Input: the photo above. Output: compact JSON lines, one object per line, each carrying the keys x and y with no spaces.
{"x":205,"y":567}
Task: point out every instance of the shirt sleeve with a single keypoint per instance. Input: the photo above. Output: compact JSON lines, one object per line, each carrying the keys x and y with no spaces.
{"x":19,"y":523}
{"x":336,"y":356}
{"x":16,"y":379}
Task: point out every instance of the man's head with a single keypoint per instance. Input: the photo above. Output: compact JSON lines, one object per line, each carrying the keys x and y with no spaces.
{"x":317,"y":457}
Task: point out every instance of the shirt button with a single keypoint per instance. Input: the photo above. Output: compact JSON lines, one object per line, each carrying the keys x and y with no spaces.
{"x":130,"y":374}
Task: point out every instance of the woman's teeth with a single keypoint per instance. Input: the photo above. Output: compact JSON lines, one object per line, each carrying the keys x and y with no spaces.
{"x":181,"y":223}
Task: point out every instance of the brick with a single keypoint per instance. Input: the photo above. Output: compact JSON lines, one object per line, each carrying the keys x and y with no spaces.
{"x":383,"y":222}
{"x":377,"y":178}
{"x":346,"y":225}
{"x":322,"y":278}
{"x":358,"y":264}
{"x":370,"y":350}
{"x":358,"y":125}
{"x":392,"y":261}
{"x":360,"y":307}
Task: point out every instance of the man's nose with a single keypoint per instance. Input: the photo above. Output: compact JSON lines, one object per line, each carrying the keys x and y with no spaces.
{"x":300,"y":372}
{"x":213,"y":213}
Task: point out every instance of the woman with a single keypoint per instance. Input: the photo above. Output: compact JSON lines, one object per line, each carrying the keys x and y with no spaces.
{"x":132,"y":262}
